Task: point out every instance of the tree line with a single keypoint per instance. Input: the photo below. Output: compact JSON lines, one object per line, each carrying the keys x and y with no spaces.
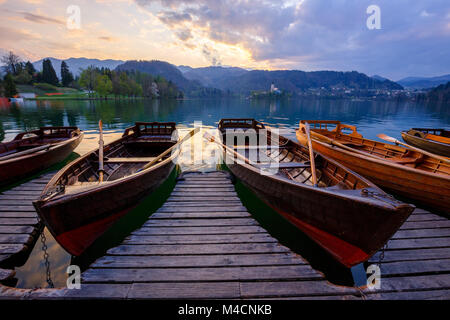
{"x":101,"y":82}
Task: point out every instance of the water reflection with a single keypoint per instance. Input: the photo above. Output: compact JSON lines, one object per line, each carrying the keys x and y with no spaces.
{"x":371,"y":117}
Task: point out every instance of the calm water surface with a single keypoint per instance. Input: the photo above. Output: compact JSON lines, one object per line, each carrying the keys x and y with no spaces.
{"x":371,"y":118}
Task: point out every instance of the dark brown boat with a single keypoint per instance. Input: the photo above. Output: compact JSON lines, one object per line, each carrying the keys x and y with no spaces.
{"x":345,"y":213}
{"x":436,"y":141}
{"x":411,"y":174}
{"x":77,"y":208}
{"x":30,"y":152}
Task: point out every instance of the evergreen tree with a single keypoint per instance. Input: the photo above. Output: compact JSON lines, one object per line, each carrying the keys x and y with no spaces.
{"x":48,"y":73}
{"x":30,"y":68}
{"x":10,"y":87}
{"x":66,"y":75}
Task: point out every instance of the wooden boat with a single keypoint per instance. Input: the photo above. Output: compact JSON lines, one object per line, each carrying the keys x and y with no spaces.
{"x":345,"y":213}
{"x":77,"y":208}
{"x":433,"y":140}
{"x":408,"y":173}
{"x":32,"y":151}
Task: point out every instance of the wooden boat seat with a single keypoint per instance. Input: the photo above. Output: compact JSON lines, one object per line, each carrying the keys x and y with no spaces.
{"x":129,"y":160}
{"x":289,"y":165}
{"x":405,"y":160}
{"x":395,"y":148}
{"x":260,"y":148}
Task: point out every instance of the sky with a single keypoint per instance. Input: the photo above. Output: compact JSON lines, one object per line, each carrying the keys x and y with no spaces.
{"x":413,"y":38}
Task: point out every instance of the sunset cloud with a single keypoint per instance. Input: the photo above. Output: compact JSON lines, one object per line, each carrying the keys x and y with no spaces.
{"x":294,"y":34}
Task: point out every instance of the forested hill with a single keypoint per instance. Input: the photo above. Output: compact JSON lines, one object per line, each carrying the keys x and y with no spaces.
{"x":440,"y":93}
{"x":206,"y":81}
{"x":295,"y":81}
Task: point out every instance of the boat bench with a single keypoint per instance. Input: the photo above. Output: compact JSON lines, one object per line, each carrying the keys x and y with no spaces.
{"x":129,"y":160}
{"x":289,"y":165}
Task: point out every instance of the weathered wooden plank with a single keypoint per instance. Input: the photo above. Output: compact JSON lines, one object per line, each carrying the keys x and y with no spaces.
{"x":17,"y":198}
{"x":201,"y":222}
{"x":200,"y":215}
{"x":199,"y":249}
{"x":412,"y":255}
{"x":240,"y":260}
{"x":194,"y":193}
{"x":202,"y":204}
{"x":425,"y":225}
{"x":422,"y":233}
{"x":419,"y":243}
{"x":411,"y":295}
{"x":201,"y":185}
{"x":300,"y":272}
{"x":214,"y":290}
{"x":6,"y":274}
{"x":406,"y":268}
{"x":15,"y":238}
{"x":199,"y":230}
{"x":16,"y":229}
{"x":427,"y":282}
{"x":268,"y":289}
{"x":29,"y":187}
{"x":202,"y":209}
{"x":18,"y":221}
{"x":16,"y":208}
{"x":96,"y":291}
{"x":22,"y":193}
{"x":18,"y":215}
{"x":425,"y":217}
{"x":199,"y":239}
{"x":11,"y":248}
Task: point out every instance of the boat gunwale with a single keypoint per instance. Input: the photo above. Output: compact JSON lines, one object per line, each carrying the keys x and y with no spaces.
{"x":53,"y":147}
{"x":426,"y":140}
{"x":381,"y":160}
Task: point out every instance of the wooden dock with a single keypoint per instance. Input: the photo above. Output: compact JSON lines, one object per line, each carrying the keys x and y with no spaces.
{"x":203,"y":244}
{"x":19,"y":227}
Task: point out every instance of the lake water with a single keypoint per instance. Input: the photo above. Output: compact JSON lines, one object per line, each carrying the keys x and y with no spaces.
{"x":370,"y":117}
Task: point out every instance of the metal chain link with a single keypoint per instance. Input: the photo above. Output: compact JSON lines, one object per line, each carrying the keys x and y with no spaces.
{"x":47,"y":261}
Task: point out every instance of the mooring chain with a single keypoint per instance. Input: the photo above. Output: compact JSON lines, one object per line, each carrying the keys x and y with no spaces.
{"x":46,"y":258}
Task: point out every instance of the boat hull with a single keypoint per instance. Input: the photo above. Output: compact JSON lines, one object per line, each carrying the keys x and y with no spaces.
{"x":430,"y":190}
{"x":77,"y":222}
{"x":435,"y":147}
{"x":15,"y":169}
{"x":350,"y":230}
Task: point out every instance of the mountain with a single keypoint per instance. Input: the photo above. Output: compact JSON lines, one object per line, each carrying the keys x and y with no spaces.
{"x":377,"y":77}
{"x":295,"y":81}
{"x":440,"y":93}
{"x":211,"y":76}
{"x":163,"y":69}
{"x":423,"y":82}
{"x":75,"y":64}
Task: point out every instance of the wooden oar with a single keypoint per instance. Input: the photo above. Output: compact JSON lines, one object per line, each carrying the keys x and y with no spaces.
{"x":100,"y":153}
{"x":322,"y":138}
{"x":24,"y":153}
{"x":393,"y":140}
{"x":162,"y":155}
{"x":212,"y":139}
{"x":311,"y":155}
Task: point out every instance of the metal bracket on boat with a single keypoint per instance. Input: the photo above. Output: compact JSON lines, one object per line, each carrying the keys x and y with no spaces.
{"x":53,"y":192}
{"x":387,"y":198}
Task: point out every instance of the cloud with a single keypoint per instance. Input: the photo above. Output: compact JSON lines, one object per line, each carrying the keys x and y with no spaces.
{"x":318,"y":34}
{"x":37,"y":18}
